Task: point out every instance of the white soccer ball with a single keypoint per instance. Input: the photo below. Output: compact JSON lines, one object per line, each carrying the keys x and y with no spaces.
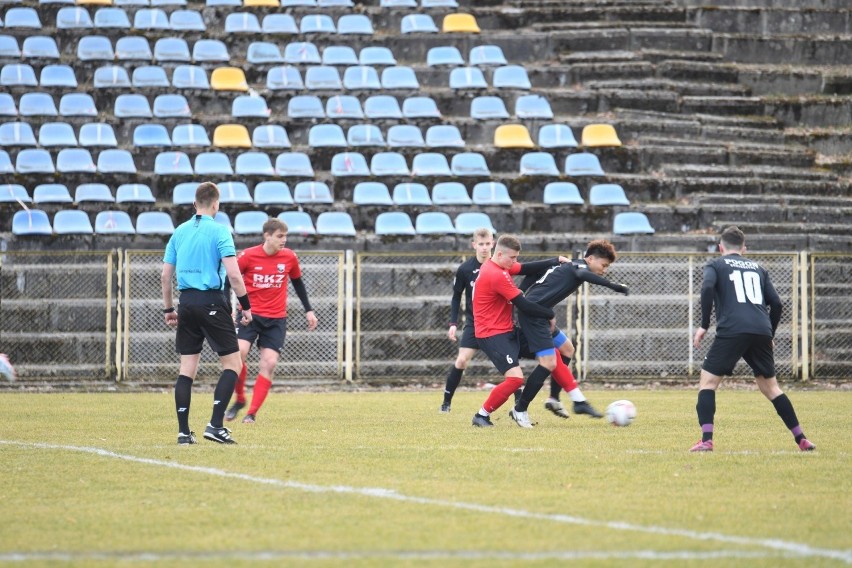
{"x":621,"y":413}
{"x":7,"y":371}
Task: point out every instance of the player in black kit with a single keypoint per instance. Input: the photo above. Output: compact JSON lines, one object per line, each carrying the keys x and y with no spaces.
{"x":538,"y":341}
{"x":741,"y":291}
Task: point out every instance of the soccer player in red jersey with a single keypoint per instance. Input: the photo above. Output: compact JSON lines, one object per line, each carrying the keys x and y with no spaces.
{"x":494,"y":294}
{"x":266,"y":269}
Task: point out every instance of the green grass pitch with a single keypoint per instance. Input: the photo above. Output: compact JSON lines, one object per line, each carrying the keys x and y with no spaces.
{"x":383,"y":479}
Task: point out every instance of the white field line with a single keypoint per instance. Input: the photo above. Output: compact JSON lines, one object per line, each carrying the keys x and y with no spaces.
{"x":793,"y":548}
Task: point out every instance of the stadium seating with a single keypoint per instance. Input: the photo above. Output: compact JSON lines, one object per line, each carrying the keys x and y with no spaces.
{"x":434,"y":223}
{"x":171,"y":106}
{"x":597,"y":135}
{"x":460,"y":23}
{"x":430,"y":164}
{"x":511,"y":77}
{"x":365,"y":135}
{"x":74,"y":17}
{"x":31,"y":222}
{"x":469,"y":164}
{"x":250,"y":222}
{"x":37,"y":104}
{"x":444,"y":136}
{"x":116,"y":161}
{"x":242,"y":22}
{"x":335,"y":223}
{"x":583,"y":164}
{"x":486,"y":55}
{"x":97,"y":134}
{"x":151,"y":135}
{"x":538,"y":164}
{"x":348,"y":164}
{"x":317,"y":24}
{"x":450,"y":193}
{"x":339,"y":55}
{"x":149,"y":77}
{"x":133,"y":47}
{"x":254,"y":164}
{"x":631,"y":223}
{"x":223,"y":219}
{"x":56,"y":134}
{"x":533,"y":106}
{"x":298,"y":222}
{"x":399,"y":78}
{"x":283,"y":24}
{"x":562,"y":193}
{"x":210,"y":51}
{"x":420,"y":107}
{"x":354,"y":24}
{"x":250,"y":106}
{"x":312,"y":192}
{"x":72,"y":222}
{"x":272,"y":193}
{"x":213,"y":164}
{"x":294,"y":164}
{"x":323,"y":77}
{"x":186,"y":21}
{"x":75,"y":160}
{"x":58,"y":76}
{"x":394,"y":223}
{"x":154,"y":223}
{"x":77,"y":104}
{"x":405,"y":135}
{"x":17,"y":134}
{"x":371,"y":193}
{"x":172,"y":163}
{"x":41,"y":47}
{"x":468,"y":222}
{"x":284,"y":77}
{"x":6,"y":163}
{"x":491,"y":193}
{"x":51,"y":193}
{"x":270,"y":136}
{"x":134,"y":193}
{"x":512,"y":136}
{"x":184,"y":193}
{"x":111,"y":77}
{"x":148,"y":19}
{"x":231,"y":136}
{"x":114,"y":223}
{"x":488,"y":108}
{"x":444,"y":55}
{"x":25,"y":18}
{"x":382,"y":106}
{"x":556,"y":136}
{"x":375,"y":56}
{"x":12,"y":193}
{"x":389,"y":164}
{"x":172,"y":49}
{"x":233,"y":192}
{"x":93,"y":192}
{"x":606,"y":194}
{"x":302,"y":52}
{"x":34,"y":161}
{"x":18,"y":75}
{"x":9,"y":48}
{"x":190,"y":77}
{"x":359,"y":77}
{"x":228,"y":79}
{"x":417,"y":24}
{"x":411,"y":194}
{"x":467,"y":78}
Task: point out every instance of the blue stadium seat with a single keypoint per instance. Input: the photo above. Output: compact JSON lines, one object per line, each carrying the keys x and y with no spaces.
{"x":632,"y":223}
{"x":405,"y":136}
{"x":389,"y":164}
{"x":133,"y":47}
{"x":95,"y":48}
{"x":98,"y":192}
{"x":382,"y":106}
{"x":394,"y":223}
{"x":294,"y":164}
{"x":467,"y":78}
{"x":359,"y":77}
{"x":115,"y":161}
{"x":12,"y":193}
{"x":365,"y":135}
{"x":242,"y":22}
{"x":250,"y":106}
{"x":335,"y":4}
{"x":190,"y":77}
{"x":223,"y":3}
{"x":6,"y":163}
{"x":439,"y":4}
{"x":343,"y":106}
{"x":187,"y":21}
{"x":254,"y":164}
{"x":279,"y":24}
{"x":339,"y":55}
{"x":272,"y":193}
{"x":190,"y":135}
{"x":222,"y":218}
{"x":58,"y":76}
{"x":444,"y":136}
{"x":302,"y":52}
{"x":399,"y":78}
{"x":172,"y":49}
{"x":398,"y":3}
{"x":250,"y":222}
{"x":18,"y":75}
{"x":17,"y":134}
{"x":172,"y":163}
{"x":213,"y":163}
{"x":9,"y":47}
{"x":151,"y":135}
{"x":308,"y":3}
{"x":335,"y":223}
{"x":468,"y":222}
{"x":305,"y":106}
{"x":411,"y":194}
{"x":97,"y":134}
{"x":22,"y":18}
{"x":491,"y":193}
{"x":270,"y":136}
{"x":284,"y":77}
{"x":77,"y":104}
{"x":134,"y":193}
{"x":322,"y":77}
{"x":298,"y":222}
{"x":489,"y":55}
{"x":210,"y":50}
{"x":263,"y":53}
{"x":31,"y":222}
{"x":450,"y":193}
{"x":149,"y":77}
{"x":375,"y":56}
{"x":51,"y":193}
{"x":154,"y":223}
{"x":538,"y":164}
{"x":114,"y":223}
{"x":184,"y":193}
{"x":112,"y":18}
{"x":171,"y":106}
{"x":583,"y":164}
{"x":533,"y":106}
{"x":317,"y":24}
{"x":434,"y":223}
{"x":371,"y":193}
{"x":111,"y":77}
{"x":511,"y":77}
{"x":43,"y":47}
{"x":56,"y":134}
{"x":488,"y":108}
{"x":34,"y":161}
{"x":355,"y":24}
{"x":73,"y":17}
{"x":312,"y":192}
{"x":349,"y":164}
{"x":132,"y":106}
{"x":150,"y":19}
{"x":37,"y":104}
{"x":556,"y":136}
{"x":430,"y":164}
{"x":418,"y":24}
{"x":607,"y":194}
{"x":444,"y":55}
{"x":469,"y":164}
{"x":232,"y":191}
{"x":72,"y":222}
{"x":562,"y":193}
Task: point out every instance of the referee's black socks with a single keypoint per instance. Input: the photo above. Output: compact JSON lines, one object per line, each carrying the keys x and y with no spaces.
{"x":222,"y":396}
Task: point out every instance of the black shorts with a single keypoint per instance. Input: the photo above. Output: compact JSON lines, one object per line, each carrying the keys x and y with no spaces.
{"x":502,"y":349}
{"x":269,"y":332}
{"x":211,"y":321}
{"x":535,"y":335}
{"x":727,"y":351}
{"x":468,"y":338}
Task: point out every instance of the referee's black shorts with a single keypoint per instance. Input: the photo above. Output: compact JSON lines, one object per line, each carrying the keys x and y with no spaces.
{"x":502,"y":349}
{"x":726,"y":352}
{"x":205,"y":315}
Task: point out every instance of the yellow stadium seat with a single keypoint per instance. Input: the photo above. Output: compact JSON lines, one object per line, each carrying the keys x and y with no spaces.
{"x":261,"y":3}
{"x":513,"y":136}
{"x":94,"y":2}
{"x":228,"y":79}
{"x":600,"y":135}
{"x":231,"y":136}
{"x":460,"y":23}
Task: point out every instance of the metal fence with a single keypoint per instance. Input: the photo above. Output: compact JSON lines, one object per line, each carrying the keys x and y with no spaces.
{"x":829,"y":322}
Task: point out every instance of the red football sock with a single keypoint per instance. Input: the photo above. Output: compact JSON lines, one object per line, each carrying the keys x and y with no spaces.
{"x":261,"y":389}
{"x":501,"y":393}
{"x":240,"y":387}
{"x":562,"y":374}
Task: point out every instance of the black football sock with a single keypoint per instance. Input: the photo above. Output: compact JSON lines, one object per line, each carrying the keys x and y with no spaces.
{"x":222,"y":396}
{"x":183,"y":396}
{"x":531,"y":388}
{"x":555,"y":388}
{"x":784,"y":408}
{"x":706,"y":409}
{"x":453,"y":379}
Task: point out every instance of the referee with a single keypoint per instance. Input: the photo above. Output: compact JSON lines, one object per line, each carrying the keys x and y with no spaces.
{"x":201,"y":252}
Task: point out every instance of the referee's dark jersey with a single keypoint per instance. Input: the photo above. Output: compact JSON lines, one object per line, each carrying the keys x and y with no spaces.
{"x":550,"y":287}
{"x":466,"y":275}
{"x":741,"y":290}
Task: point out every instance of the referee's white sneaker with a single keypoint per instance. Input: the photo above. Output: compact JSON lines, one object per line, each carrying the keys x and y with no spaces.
{"x":522,"y":419}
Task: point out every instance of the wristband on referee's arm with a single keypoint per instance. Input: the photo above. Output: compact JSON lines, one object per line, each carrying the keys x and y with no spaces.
{"x":244,"y":302}
{"x":168,"y":310}
{"x":453,"y":324}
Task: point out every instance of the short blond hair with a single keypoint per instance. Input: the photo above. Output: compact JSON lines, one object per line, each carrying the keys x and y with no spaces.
{"x":483,"y":233}
{"x":509,"y":242}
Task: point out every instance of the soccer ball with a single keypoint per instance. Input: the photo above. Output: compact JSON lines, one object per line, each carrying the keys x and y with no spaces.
{"x":621,"y":413}
{"x":7,"y":371}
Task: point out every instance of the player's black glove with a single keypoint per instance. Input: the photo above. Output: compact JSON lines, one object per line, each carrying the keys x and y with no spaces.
{"x":621,"y":288}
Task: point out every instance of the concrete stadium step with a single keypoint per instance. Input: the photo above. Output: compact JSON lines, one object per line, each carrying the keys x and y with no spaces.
{"x":772,"y":21}
{"x":830,"y":141}
{"x":728,"y":105}
{"x":796,"y":49}
{"x":68,"y":376}
{"x":690,"y":90}
{"x":687,"y":70}
{"x":57,"y":349}
{"x":289,"y":374}
{"x":794,"y":4}
{"x":766,"y":172}
{"x":79,"y":282}
{"x":811,"y":111}
{"x":810,"y":214}
{"x":154,"y":347}
{"x":57,"y":315}
{"x":771,"y":200}
{"x":615,"y":38}
{"x":660,"y":55}
{"x":757,"y":227}
{"x":736,"y":185}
